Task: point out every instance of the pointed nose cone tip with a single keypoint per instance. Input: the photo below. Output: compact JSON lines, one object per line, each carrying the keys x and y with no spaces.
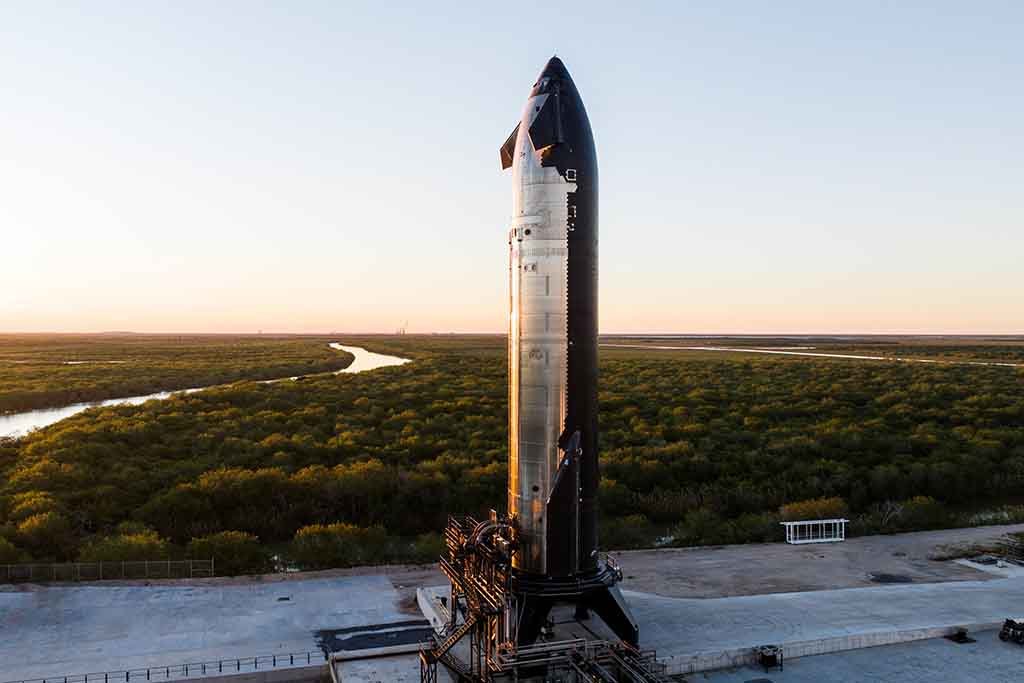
{"x":555,"y":69}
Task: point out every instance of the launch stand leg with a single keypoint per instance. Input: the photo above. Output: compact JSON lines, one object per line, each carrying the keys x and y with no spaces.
{"x":596,"y":592}
{"x":611,"y":607}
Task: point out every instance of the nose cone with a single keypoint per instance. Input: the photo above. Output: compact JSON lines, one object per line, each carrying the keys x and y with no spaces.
{"x":555,"y":69}
{"x":554,"y":72}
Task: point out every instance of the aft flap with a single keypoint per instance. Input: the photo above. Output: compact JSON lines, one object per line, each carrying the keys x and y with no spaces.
{"x":509,"y":148}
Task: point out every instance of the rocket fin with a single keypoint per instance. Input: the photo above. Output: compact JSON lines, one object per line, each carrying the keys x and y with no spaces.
{"x":508,"y":149}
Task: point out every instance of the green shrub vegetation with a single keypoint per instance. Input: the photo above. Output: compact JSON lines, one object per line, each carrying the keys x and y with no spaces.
{"x":9,"y":554}
{"x":131,"y":547}
{"x":354,"y":469}
{"x":233,"y":552}
{"x":319,"y":546}
{"x":46,"y":371}
{"x":818,"y":508}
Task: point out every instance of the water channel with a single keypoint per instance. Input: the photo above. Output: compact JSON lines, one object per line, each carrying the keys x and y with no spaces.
{"x":19,"y":424}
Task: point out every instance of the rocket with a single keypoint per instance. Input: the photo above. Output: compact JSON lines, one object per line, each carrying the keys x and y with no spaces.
{"x":552,"y":354}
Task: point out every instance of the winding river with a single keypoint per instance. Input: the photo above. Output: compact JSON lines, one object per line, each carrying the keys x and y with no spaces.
{"x":19,"y":424}
{"x":790,"y":351}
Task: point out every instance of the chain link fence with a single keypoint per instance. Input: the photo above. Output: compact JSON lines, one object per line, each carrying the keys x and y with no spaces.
{"x":104,"y":571}
{"x":189,"y":670}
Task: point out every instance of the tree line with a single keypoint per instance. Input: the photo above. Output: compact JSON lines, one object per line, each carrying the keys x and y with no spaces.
{"x":365,"y":468}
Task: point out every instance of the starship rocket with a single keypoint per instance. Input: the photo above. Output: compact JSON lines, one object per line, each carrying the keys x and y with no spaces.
{"x":552,"y":347}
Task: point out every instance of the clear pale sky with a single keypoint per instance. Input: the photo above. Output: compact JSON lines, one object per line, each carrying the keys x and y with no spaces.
{"x":319,"y":166}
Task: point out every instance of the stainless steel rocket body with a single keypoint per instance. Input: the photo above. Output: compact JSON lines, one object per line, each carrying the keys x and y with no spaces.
{"x":553,"y":330}
{"x":552,"y":360}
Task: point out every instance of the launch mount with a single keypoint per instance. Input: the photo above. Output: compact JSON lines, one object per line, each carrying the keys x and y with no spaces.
{"x":492,"y":607}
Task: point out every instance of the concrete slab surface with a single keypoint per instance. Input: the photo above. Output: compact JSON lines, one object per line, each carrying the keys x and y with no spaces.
{"x":1001,"y":568}
{"x":704,"y":634}
{"x":760,"y":568}
{"x":54,"y":631}
{"x":926,"y":661}
{"x":685,"y":630}
{"x":398,"y":669}
{"x":69,"y":629}
{"x":756,"y":569}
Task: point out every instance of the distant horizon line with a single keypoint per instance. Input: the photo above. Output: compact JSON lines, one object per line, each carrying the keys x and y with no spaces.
{"x":665,"y":335}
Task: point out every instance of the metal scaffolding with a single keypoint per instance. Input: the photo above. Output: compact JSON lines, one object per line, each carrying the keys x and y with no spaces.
{"x":483,"y":609}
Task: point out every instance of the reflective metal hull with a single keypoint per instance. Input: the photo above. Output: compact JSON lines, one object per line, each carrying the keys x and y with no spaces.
{"x":553,"y":330}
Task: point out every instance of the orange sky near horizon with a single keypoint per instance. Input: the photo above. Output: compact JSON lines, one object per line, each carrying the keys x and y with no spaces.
{"x":810,"y":169}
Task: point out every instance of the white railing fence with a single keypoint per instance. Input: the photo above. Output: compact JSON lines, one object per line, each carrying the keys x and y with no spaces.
{"x":816,"y":531}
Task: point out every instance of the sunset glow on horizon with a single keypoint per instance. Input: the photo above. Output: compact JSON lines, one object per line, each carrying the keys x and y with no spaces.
{"x":778,"y":170}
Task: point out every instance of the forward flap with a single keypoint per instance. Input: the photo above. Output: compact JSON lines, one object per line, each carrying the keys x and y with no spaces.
{"x":509,"y":148}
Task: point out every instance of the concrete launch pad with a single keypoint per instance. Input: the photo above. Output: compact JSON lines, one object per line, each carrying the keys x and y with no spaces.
{"x":698,"y":635}
{"x":67,"y":630}
{"x":54,"y":631}
{"x":701,"y":635}
{"x":925,"y":661}
{"x":760,"y":568}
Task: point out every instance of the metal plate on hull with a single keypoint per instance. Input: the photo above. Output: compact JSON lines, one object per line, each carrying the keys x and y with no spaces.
{"x":538,"y":270}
